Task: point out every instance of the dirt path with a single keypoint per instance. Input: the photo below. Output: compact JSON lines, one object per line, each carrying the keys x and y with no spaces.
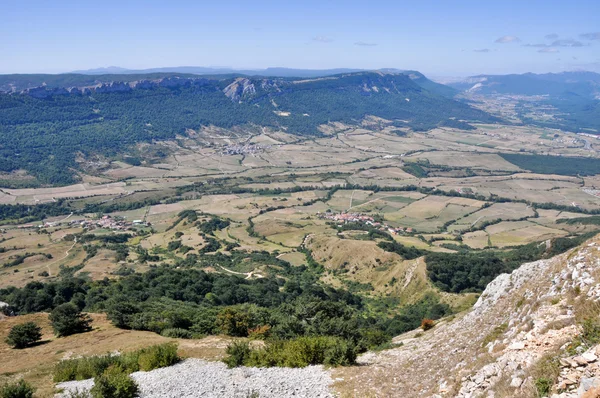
{"x":248,"y":275}
{"x":60,"y":259}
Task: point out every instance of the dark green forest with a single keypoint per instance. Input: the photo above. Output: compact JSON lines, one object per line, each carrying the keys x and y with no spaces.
{"x":471,"y":271}
{"x":562,"y":165}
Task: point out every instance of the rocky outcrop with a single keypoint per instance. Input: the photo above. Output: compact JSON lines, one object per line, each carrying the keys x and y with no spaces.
{"x":241,"y":88}
{"x":43,"y":92}
{"x":518,"y":322}
{"x":114,"y":87}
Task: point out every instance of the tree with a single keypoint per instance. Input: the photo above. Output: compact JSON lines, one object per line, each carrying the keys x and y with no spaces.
{"x":66,"y":320}
{"x":24,"y":334}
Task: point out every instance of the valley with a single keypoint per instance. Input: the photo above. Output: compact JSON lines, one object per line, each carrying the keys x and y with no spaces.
{"x":375,"y":222}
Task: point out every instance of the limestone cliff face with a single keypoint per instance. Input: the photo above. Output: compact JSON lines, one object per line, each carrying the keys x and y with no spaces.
{"x":520,"y":321}
{"x":240,"y":89}
{"x":43,"y":92}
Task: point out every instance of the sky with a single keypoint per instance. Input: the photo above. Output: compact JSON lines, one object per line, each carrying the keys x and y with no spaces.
{"x":439,"y":38}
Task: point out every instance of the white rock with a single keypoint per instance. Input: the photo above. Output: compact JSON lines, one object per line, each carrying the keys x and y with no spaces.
{"x":588,"y":356}
{"x":516,"y":382}
{"x":519,"y":345}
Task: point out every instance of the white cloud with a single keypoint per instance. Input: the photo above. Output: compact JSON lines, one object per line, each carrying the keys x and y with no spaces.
{"x":482,"y":50}
{"x":508,"y":39}
{"x":558,"y":43}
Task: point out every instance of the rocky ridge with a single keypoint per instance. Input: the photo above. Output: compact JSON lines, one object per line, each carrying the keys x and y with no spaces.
{"x":43,"y":92}
{"x":521,"y":322}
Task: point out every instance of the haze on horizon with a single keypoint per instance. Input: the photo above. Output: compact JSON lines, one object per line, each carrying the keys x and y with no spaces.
{"x":438,"y":38}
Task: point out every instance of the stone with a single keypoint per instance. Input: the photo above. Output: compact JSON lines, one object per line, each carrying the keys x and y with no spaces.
{"x":519,"y":345}
{"x":587,"y":383}
{"x":580,"y":360}
{"x":516,"y":382}
{"x":590,"y":357}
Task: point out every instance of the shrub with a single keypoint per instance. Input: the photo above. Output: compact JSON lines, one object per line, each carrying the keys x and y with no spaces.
{"x":591,"y":331}
{"x":239,"y":353}
{"x":66,"y":319}
{"x":149,"y":358}
{"x":427,"y":324}
{"x":114,"y":383}
{"x":20,"y":389}
{"x":84,"y":367}
{"x":24,"y":334}
{"x":543,"y":386}
{"x":177,"y":333}
{"x":158,"y":356}
{"x":341,"y":353}
{"x":545,"y":373}
{"x":373,"y":338}
{"x":294,"y":353}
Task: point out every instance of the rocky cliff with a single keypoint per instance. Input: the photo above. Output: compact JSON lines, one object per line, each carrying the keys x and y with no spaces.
{"x":532,"y":333}
{"x":42,"y":92}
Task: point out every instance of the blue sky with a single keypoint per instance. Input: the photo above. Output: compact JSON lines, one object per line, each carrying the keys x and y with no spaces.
{"x":438,"y":38}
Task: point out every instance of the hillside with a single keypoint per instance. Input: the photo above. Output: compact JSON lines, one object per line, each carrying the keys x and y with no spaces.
{"x":44,"y":129}
{"x":526,"y":336}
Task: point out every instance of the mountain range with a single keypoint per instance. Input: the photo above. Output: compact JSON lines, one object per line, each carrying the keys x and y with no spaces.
{"x":65,"y":114}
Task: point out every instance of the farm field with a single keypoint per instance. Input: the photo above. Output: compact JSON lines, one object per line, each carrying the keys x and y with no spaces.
{"x":208,"y":181}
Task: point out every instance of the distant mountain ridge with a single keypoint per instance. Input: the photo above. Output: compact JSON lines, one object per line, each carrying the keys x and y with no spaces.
{"x":20,"y":82}
{"x":203,"y":70}
{"x":584,"y":84}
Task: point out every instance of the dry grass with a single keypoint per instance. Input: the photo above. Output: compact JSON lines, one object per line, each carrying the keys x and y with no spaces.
{"x":35,"y":364}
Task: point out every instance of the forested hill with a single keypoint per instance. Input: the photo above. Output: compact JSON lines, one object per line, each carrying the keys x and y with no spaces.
{"x":42,"y":129}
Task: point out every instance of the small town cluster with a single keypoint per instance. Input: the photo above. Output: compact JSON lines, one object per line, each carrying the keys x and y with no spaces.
{"x":345,"y":218}
{"x":245,"y":149}
{"x":106,"y":222}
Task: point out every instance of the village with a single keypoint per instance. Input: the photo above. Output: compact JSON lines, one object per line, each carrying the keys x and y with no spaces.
{"x":245,"y":149}
{"x":104,"y":222}
{"x":345,"y":218}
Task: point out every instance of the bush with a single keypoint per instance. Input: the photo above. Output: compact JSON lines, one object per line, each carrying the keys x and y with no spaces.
{"x":427,"y":324}
{"x":158,"y":356}
{"x":177,"y":333}
{"x":543,"y":386}
{"x":66,"y":319}
{"x":114,"y":383}
{"x":149,"y":358}
{"x":294,"y":353}
{"x":239,"y":353}
{"x":24,"y":334}
{"x":373,"y":339}
{"x":20,"y":389}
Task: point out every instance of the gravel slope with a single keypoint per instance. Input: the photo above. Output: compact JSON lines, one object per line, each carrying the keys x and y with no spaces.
{"x":198,"y":378}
